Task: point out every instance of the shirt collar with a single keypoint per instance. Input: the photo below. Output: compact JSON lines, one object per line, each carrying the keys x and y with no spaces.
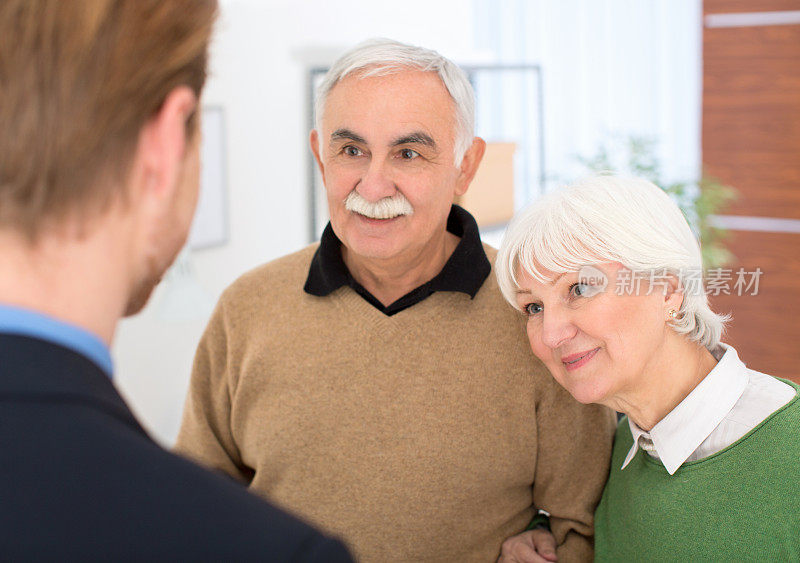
{"x":25,"y":322}
{"x":681,"y":432}
{"x":465,"y":270}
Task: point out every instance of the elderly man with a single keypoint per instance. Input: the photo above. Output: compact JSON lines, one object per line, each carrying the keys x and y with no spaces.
{"x":99,"y":156}
{"x":377,"y":383}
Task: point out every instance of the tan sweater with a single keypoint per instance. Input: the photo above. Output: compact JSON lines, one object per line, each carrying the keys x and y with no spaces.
{"x":424,"y":436}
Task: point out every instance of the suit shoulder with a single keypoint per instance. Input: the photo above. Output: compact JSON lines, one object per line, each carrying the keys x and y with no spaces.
{"x":173,"y":509}
{"x":206,"y":499}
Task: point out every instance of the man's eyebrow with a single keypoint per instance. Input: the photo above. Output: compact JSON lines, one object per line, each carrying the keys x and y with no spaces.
{"x":417,"y":137}
{"x":346,"y":134}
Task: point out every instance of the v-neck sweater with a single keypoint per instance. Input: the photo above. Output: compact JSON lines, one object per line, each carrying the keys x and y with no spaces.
{"x":740,"y":504}
{"x":427,"y":435}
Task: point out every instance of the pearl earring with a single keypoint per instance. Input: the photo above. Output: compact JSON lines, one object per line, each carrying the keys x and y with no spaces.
{"x":673,"y":314}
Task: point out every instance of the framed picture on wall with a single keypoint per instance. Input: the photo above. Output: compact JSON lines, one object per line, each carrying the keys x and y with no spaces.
{"x":210,"y":226}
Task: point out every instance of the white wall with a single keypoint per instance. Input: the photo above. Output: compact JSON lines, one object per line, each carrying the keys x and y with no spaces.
{"x":616,"y":67}
{"x":258,"y":77}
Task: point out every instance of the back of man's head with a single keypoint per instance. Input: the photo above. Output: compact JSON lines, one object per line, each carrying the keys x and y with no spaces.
{"x":78,"y":80}
{"x":376,"y":57}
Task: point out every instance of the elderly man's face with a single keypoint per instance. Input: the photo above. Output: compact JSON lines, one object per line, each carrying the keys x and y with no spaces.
{"x":388,"y":139}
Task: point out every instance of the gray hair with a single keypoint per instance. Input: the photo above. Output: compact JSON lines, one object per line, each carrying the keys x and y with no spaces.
{"x":611,"y":219}
{"x":379,"y":57}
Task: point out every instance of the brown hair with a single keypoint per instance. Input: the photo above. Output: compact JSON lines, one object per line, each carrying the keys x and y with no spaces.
{"x":78,"y":81}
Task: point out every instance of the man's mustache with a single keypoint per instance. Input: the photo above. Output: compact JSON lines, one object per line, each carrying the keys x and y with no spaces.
{"x":385,"y":208}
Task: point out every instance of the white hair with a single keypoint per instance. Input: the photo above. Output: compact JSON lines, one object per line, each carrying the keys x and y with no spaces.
{"x":611,"y":219}
{"x":379,"y":57}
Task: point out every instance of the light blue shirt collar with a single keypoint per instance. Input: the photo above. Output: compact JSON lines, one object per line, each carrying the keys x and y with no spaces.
{"x":25,"y":322}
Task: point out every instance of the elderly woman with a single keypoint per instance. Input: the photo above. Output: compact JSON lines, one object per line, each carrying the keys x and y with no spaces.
{"x":706,"y":462}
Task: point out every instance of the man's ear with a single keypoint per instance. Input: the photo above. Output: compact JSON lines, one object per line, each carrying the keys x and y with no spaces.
{"x":469,"y":165}
{"x":313,"y":140}
{"x":162,"y":145}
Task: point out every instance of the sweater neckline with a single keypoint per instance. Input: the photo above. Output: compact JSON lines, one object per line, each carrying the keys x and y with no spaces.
{"x":692,"y":465}
{"x":349,"y":301}
{"x":464,"y":271}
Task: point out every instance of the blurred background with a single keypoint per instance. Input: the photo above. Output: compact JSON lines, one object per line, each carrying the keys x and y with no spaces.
{"x":699,"y":96}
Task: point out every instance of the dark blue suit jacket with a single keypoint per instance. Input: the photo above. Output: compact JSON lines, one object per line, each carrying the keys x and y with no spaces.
{"x":80,"y":480}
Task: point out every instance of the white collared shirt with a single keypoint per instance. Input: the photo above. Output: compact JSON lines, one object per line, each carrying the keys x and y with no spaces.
{"x":729,"y":402}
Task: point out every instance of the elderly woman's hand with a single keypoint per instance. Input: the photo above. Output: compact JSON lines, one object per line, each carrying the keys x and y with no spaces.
{"x":533,"y":546}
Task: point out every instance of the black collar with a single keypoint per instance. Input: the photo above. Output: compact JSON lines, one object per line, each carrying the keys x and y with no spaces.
{"x":465,"y":270}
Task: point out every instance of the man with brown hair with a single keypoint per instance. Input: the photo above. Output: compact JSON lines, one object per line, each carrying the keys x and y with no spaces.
{"x":99,"y":141}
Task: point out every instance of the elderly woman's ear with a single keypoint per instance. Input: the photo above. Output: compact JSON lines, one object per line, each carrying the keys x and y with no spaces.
{"x":673,"y":295}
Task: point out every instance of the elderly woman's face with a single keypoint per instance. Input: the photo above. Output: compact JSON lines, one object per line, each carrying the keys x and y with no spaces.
{"x":599,"y":340}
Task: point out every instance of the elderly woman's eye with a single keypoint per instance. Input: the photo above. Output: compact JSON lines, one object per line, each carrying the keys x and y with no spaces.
{"x":583,"y":290}
{"x":532,"y":309}
{"x":578,"y":289}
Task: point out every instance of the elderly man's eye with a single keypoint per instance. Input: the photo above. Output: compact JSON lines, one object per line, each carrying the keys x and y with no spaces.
{"x":350,"y":150}
{"x":408,"y":154}
{"x":532,"y":308}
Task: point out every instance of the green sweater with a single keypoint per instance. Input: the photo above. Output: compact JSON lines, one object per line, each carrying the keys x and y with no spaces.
{"x":740,"y":504}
